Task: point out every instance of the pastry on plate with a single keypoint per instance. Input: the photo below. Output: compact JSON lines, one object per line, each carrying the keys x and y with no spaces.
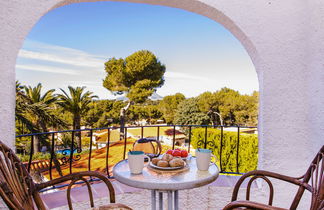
{"x":155,"y":161}
{"x":177,"y":162}
{"x":163,"y":163}
{"x":167,"y":157}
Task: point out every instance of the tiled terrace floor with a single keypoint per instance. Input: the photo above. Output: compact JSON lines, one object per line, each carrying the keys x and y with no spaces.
{"x":212,"y":196}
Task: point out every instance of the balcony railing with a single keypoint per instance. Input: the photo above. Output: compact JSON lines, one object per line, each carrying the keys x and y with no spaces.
{"x":62,"y":160}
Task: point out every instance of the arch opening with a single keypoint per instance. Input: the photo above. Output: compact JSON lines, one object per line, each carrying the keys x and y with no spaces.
{"x":231,"y":26}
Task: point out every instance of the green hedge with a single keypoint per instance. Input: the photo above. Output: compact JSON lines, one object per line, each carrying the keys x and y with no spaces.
{"x":248,"y":148}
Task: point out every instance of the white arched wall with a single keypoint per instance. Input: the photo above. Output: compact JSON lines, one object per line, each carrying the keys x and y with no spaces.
{"x":284,"y":40}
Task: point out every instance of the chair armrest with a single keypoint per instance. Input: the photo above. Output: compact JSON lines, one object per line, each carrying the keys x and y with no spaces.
{"x":250,"y":204}
{"x":80,"y":176}
{"x":263,"y":174}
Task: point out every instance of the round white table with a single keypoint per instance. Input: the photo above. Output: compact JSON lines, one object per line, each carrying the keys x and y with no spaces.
{"x":164,"y":181}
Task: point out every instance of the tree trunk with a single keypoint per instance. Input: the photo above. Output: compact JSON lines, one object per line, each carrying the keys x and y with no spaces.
{"x":39,"y":140}
{"x":76,"y":126}
{"x":36,"y":144}
{"x":122,"y":119}
{"x":213,"y":115}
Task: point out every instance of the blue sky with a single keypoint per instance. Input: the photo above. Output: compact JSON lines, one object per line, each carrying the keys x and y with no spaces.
{"x":70,"y":44}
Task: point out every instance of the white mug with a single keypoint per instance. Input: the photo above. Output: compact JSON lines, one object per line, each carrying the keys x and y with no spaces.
{"x":203,"y":158}
{"x":136,"y":161}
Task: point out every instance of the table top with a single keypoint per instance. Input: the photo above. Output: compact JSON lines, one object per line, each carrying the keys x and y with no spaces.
{"x":166,"y":180}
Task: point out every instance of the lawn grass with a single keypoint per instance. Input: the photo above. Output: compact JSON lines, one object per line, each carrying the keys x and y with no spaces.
{"x":102,"y":136}
{"x":148,"y":131}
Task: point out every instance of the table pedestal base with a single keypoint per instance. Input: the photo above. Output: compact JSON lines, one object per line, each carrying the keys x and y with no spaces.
{"x":173,"y":199}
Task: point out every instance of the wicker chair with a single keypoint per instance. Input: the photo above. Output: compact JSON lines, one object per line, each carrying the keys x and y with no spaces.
{"x":312,"y":180}
{"x":18,"y":190}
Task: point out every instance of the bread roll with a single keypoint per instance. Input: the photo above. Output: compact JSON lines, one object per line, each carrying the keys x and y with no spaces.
{"x":176,"y":162}
{"x":167,"y":157}
{"x":155,"y":161}
{"x":163,"y":163}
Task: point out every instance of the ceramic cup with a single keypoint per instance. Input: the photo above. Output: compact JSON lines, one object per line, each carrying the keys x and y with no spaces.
{"x":136,"y":161}
{"x":203,"y":159}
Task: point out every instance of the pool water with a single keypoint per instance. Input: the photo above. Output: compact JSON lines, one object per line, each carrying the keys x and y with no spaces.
{"x":66,"y":151}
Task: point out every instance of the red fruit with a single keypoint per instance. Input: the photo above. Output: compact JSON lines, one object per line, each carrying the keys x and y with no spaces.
{"x":184,"y":153}
{"x":170,"y":151}
{"x":178,"y":149}
{"x":176,"y":153}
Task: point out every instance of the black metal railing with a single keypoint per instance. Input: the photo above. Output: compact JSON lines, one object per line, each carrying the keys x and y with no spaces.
{"x":63,"y":158}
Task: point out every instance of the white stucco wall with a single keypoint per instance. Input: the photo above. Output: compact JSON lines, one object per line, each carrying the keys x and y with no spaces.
{"x":285,"y":40}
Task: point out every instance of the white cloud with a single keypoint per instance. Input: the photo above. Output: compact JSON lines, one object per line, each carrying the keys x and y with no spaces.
{"x":63,"y":55}
{"x":46,"y":68}
{"x":95,"y":84}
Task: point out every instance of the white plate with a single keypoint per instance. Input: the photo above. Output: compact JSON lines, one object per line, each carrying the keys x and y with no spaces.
{"x":165,"y":168}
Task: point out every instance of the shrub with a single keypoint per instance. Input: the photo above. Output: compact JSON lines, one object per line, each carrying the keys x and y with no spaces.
{"x":247,"y":154}
{"x":46,"y":156}
{"x":37,"y":156}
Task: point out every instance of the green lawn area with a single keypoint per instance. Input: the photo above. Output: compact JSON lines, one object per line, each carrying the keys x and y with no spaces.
{"x":148,"y":131}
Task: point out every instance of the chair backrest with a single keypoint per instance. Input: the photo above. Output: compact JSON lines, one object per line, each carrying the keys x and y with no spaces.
{"x":313,"y":181}
{"x":17,"y":188}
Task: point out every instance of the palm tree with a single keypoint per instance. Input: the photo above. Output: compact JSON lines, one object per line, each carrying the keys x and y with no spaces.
{"x":76,"y":102}
{"x":36,"y":111}
{"x":41,"y":111}
{"x":21,"y":107}
{"x":42,"y":105}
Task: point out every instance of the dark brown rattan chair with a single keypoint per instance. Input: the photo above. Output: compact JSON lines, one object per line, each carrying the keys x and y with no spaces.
{"x":312,"y":180}
{"x":18,"y":190}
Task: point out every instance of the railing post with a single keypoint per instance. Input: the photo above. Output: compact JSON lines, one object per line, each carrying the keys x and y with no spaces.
{"x":51,"y":160}
{"x":71,"y":152}
{"x":158,"y":133}
{"x":90,"y":151}
{"x":142,"y":132}
{"x":221,"y":148}
{"x":189,"y":139}
{"x":107,"y":152}
{"x":31,"y":153}
{"x":174,"y":131}
{"x":125,"y":142}
{"x":237,"y":148}
{"x":205,"y":146}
